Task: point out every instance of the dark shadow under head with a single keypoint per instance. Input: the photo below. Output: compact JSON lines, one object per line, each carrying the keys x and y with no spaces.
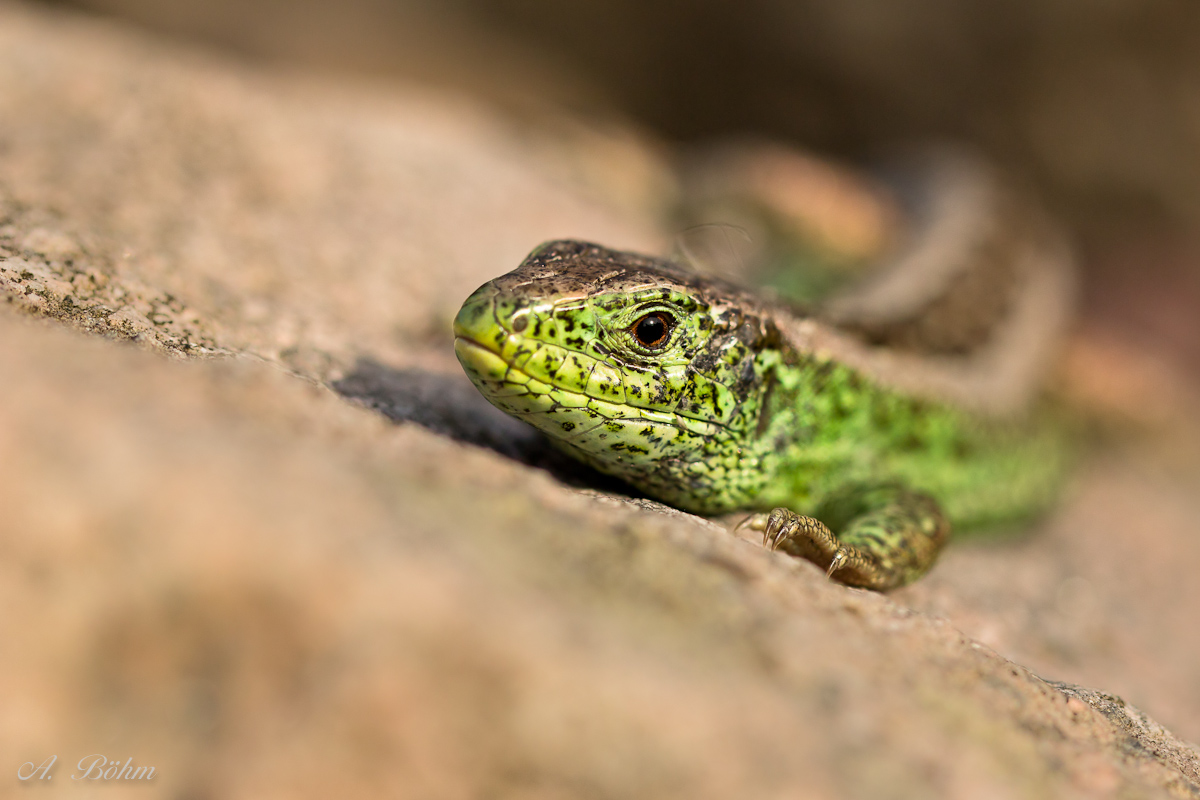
{"x":449,"y":405}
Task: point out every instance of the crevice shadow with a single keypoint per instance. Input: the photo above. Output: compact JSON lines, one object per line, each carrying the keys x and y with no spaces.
{"x":449,"y":405}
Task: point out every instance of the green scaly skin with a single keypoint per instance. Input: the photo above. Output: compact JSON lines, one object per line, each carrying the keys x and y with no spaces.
{"x":725,"y":414}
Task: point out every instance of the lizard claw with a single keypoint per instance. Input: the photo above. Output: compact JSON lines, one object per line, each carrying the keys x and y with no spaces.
{"x":775,"y":528}
{"x":838,"y":561}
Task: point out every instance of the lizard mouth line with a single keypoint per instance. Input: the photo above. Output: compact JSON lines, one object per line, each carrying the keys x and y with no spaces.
{"x":467,"y":340}
{"x":467,"y":343}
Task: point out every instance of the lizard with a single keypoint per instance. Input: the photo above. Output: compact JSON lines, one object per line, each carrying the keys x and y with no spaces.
{"x":859,"y":434}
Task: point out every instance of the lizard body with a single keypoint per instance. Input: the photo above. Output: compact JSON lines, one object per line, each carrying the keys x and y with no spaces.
{"x":713,"y":399}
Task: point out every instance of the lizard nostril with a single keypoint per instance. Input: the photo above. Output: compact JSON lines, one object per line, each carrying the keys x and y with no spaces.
{"x":520,"y":323}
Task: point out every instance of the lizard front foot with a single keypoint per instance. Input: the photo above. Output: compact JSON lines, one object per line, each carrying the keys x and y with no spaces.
{"x":888,"y":536}
{"x":810,"y":539}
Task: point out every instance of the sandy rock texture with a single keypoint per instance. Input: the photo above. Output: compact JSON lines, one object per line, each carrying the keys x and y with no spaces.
{"x":278,"y":209}
{"x":221,"y":560}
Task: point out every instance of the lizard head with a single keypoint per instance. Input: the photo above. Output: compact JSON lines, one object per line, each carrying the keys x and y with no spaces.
{"x":635,"y":365}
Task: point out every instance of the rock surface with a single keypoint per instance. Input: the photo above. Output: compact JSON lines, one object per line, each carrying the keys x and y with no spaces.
{"x":217,"y":565}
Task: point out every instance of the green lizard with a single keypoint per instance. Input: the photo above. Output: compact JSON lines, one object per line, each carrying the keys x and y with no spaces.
{"x":870,"y":440}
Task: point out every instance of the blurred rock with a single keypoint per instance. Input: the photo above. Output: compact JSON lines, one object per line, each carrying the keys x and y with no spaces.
{"x":273,"y":209}
{"x":215,"y":565}
{"x":1094,"y":101}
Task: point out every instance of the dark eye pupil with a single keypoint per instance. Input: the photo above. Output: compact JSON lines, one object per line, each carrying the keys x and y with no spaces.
{"x":651,"y":330}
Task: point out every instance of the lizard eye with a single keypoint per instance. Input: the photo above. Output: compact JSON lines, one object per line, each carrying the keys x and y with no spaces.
{"x":653,"y":330}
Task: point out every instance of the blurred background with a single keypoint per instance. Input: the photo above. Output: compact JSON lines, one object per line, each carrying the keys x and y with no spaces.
{"x":1096,"y":104}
